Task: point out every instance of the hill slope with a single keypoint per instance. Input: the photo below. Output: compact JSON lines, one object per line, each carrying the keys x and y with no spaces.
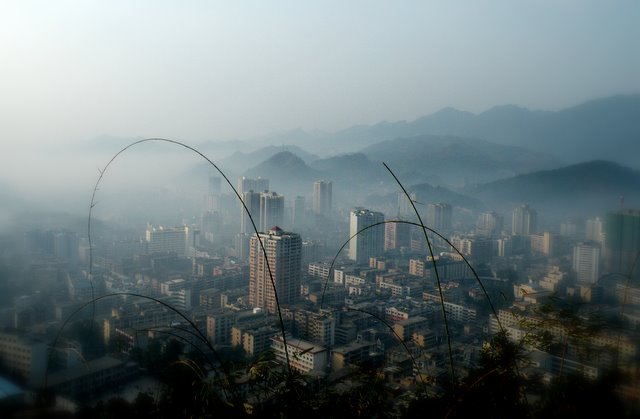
{"x":585,"y":188}
{"x":606,"y":128}
{"x":450,"y":160}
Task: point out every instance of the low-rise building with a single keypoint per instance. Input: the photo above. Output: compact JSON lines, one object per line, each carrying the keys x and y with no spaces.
{"x":23,"y":355}
{"x":305,"y":357}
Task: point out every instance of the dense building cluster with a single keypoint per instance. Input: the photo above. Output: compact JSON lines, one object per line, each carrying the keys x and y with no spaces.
{"x":409,"y":309}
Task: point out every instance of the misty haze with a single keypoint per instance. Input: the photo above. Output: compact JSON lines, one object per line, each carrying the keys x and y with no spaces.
{"x":373,"y":210}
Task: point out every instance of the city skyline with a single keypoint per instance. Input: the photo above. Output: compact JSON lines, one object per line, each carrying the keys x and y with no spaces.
{"x":217,"y":208}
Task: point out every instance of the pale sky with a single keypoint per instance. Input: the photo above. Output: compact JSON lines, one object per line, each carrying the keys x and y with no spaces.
{"x":205,"y":70}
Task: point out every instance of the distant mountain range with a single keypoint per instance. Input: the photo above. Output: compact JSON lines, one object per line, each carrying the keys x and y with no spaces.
{"x":494,"y":160}
{"x":580,"y":189}
{"x":576,"y":190}
{"x":241,"y":161}
{"x":607,"y":128}
{"x":455,"y":161}
{"x":353,"y":175}
{"x":287,"y":173}
{"x":438,"y":160}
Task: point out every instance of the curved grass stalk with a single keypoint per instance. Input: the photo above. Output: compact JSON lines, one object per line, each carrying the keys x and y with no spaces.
{"x":475,"y":274}
{"x":197,"y":371}
{"x":404,"y":345}
{"x":468,"y":389}
{"x":175,"y":335}
{"x":435,"y":269}
{"x":466,"y":261}
{"x":169,"y":306}
{"x":253,"y":224}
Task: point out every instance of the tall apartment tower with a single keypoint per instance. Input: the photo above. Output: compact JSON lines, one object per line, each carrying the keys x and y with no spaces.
{"x":622,"y":242}
{"x":322,"y":197}
{"x":439,"y":217}
{"x":215,"y":184}
{"x":369,"y":243}
{"x":524,"y":221}
{"x":397,"y":235}
{"x":586,"y":261}
{"x":298,"y":213}
{"x":271,"y":210}
{"x":212,"y":198}
{"x":249,"y":190}
{"x":251,"y":200}
{"x":248,"y":184}
{"x":594,"y":230}
{"x":284,"y":255}
{"x":489,"y":224}
{"x":404,"y":204}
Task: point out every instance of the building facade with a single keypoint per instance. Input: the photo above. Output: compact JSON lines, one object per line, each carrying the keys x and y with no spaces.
{"x":397,"y":235}
{"x":439,"y":217}
{"x":586,"y":261}
{"x":284,"y":252}
{"x":524,"y":221}
{"x":489,"y":224}
{"x":305,"y":357}
{"x":166,"y":240}
{"x":322,"y":197}
{"x":622,"y":242}
{"x":246,"y":184}
{"x":271,"y":210}
{"x":251,"y":200}
{"x":368,"y":243}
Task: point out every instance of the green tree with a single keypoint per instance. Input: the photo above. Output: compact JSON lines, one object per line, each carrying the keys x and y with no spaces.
{"x":573,"y":396}
{"x":89,"y":334}
{"x":495,"y":388}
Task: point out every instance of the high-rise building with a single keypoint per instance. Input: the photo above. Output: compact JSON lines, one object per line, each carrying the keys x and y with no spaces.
{"x":251,"y":200}
{"x":505,"y":247}
{"x":322,"y":197}
{"x":404,"y":204}
{"x":241,"y":245}
{"x":247,"y":184}
{"x":164,"y":240}
{"x":489,"y":224}
{"x":439,"y":217}
{"x":65,"y":247}
{"x":524,"y":221}
{"x":210,"y":225}
{"x":622,"y":242}
{"x":568,"y":229}
{"x":586,"y":261}
{"x":545,"y":243}
{"x":249,"y":190}
{"x":284,"y":252}
{"x":397,"y":235}
{"x":594,"y":230}
{"x":369,"y":243}
{"x":298,"y":214}
{"x":215,"y":184}
{"x":271,"y":210}
{"x":481,"y":249}
{"x":212,"y":197}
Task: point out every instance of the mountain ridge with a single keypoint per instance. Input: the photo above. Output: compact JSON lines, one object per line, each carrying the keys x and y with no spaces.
{"x":606,"y":127}
{"x":574,"y":189}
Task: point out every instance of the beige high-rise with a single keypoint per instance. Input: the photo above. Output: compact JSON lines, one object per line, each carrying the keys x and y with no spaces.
{"x":284,"y":251}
